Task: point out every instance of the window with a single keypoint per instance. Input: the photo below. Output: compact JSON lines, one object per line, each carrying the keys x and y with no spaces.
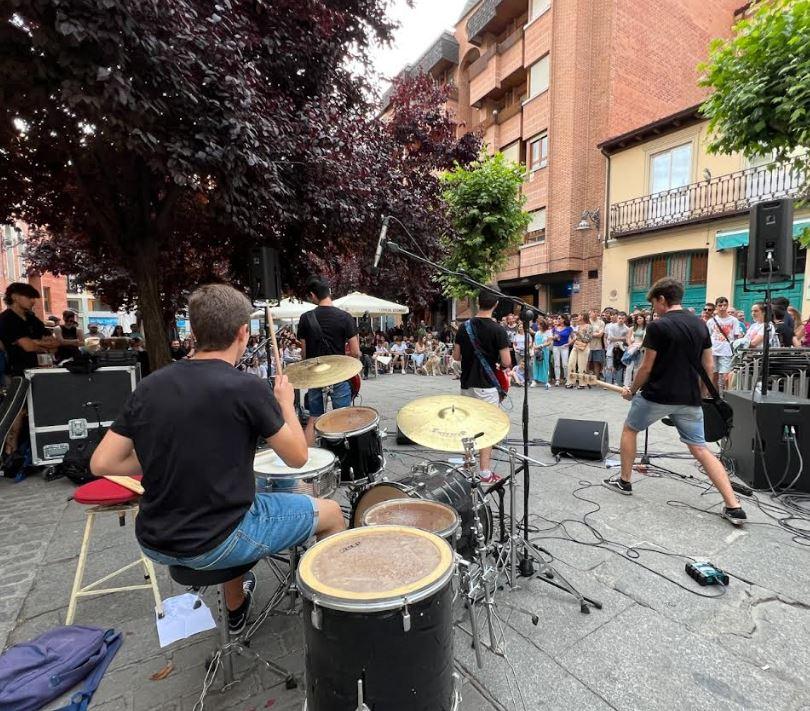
{"x":512,"y":152}
{"x":670,"y":173}
{"x":74,"y":305}
{"x":538,"y":7}
{"x":536,"y":231}
{"x":538,"y":152}
{"x":671,"y":169}
{"x":46,"y":299}
{"x":538,"y":77}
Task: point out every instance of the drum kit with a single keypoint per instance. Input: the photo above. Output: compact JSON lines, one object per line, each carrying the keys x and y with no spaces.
{"x":376,"y":599}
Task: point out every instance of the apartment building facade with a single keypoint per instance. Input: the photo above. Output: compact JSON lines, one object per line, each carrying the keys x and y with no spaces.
{"x":677,"y":210}
{"x":545,"y":82}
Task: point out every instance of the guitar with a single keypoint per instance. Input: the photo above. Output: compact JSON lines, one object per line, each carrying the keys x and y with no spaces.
{"x":586,"y":379}
{"x":503,"y":379}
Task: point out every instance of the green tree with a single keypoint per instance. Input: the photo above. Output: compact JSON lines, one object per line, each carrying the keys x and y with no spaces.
{"x":760,"y":82}
{"x":485,"y":208}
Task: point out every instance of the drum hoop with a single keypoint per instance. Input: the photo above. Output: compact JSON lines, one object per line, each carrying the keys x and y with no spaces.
{"x":298,"y":473}
{"x":346,"y":434}
{"x":443,"y":533}
{"x":335,"y":599}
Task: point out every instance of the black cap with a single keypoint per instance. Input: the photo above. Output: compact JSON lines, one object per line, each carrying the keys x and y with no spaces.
{"x":22,"y":288}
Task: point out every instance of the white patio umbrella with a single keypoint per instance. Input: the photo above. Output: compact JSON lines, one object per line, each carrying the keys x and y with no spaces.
{"x":358,"y":304}
{"x":288,"y":309}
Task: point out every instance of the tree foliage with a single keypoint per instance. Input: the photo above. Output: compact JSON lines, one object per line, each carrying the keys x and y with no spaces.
{"x":412,"y":146}
{"x":760,"y":82}
{"x":485,"y":209}
{"x":156,"y":142}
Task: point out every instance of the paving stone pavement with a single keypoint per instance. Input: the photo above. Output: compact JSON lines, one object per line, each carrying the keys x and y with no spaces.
{"x":659,"y":641}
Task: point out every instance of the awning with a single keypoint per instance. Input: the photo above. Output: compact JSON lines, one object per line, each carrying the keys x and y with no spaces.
{"x":358,"y":304}
{"x":735,"y":240}
{"x":287,"y":309}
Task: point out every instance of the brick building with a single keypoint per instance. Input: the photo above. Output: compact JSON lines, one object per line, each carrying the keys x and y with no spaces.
{"x":545,"y":82}
{"x":12,"y":268}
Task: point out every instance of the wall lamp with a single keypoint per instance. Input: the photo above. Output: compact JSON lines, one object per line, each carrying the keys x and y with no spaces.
{"x":589,"y":218}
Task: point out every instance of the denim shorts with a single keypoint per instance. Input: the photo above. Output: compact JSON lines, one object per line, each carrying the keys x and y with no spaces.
{"x":597,"y":355}
{"x":341,"y":397}
{"x":722,"y":364}
{"x":273,"y":523}
{"x":688,"y":419}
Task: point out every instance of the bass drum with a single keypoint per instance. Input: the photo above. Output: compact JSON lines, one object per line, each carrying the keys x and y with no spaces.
{"x":435,"y":481}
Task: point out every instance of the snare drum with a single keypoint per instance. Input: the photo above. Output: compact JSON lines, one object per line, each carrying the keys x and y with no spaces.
{"x":431,"y":516}
{"x":378,"y":627}
{"x":353,"y":434}
{"x":433,"y":481}
{"x":318,"y":477}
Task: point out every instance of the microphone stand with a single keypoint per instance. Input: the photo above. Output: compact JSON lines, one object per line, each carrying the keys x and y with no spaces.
{"x":527,"y":315}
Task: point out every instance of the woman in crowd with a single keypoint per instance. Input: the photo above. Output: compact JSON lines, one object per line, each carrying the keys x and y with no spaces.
{"x":419,"y":353}
{"x":798,"y":324}
{"x":543,"y":342}
{"x":632,"y":356}
{"x":580,"y":340}
{"x":118,"y":332}
{"x":257,"y":368}
{"x":755,"y":335}
{"x":367,"y":353}
{"x":561,"y":336}
{"x":519,"y":342}
{"x":382,"y":354}
{"x":804,"y":332}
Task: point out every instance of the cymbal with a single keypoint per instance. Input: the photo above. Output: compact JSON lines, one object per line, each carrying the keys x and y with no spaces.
{"x":323,"y":371}
{"x":442,"y":421}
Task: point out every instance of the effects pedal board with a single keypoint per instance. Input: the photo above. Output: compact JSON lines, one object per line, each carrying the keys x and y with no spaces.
{"x":707,"y":574}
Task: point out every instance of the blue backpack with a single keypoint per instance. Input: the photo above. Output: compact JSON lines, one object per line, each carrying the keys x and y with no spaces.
{"x":36,"y":672}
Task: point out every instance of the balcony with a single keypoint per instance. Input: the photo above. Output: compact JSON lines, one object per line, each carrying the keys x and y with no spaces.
{"x":499,"y":69}
{"x":723,"y":196}
{"x":493,"y":16}
{"x":442,"y":55}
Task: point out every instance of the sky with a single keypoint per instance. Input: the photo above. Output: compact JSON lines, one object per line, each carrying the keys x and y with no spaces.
{"x":419,"y":28}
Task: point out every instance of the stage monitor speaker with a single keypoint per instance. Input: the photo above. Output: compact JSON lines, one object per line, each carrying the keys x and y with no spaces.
{"x":581,"y":439}
{"x":768,"y":436}
{"x":265,"y":274}
{"x":771,"y":231}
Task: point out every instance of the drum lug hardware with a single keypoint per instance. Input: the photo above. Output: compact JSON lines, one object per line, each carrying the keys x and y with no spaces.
{"x":406,"y":618}
{"x":316,"y":616}
{"x":361,"y":706}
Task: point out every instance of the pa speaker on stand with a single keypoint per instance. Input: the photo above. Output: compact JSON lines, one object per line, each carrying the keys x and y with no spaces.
{"x":264,"y":275}
{"x":770,"y":242}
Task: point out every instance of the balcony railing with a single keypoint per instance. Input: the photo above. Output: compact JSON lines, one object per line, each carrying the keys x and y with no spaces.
{"x":722,"y":196}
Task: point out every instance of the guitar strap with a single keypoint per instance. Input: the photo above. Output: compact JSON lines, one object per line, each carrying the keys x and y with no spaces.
{"x":485,"y":366}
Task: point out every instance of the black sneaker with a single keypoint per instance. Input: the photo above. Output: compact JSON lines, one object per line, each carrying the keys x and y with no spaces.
{"x":616,"y":483}
{"x":736,"y":515}
{"x":237,"y":619}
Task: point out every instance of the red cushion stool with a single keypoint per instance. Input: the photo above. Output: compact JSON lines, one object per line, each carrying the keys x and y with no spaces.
{"x":103,"y":496}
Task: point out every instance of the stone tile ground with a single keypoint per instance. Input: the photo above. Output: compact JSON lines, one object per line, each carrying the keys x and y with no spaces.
{"x":656,"y":644}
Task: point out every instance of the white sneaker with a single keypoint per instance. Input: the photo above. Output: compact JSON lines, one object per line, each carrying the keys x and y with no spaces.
{"x":533,"y":384}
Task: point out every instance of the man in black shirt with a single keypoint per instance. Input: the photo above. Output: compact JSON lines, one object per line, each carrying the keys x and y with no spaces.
{"x":787,"y":338}
{"x":667,"y":384}
{"x":191,"y":429}
{"x":475,"y":382}
{"x":326,"y":330}
{"x":23,"y":335}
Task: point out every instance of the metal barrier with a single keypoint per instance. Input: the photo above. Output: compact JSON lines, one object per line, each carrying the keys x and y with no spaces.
{"x":789,"y":370}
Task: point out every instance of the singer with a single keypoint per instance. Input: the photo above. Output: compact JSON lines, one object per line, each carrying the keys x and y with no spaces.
{"x":326,"y":330}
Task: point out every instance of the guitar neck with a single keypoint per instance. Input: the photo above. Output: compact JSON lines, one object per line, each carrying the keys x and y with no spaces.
{"x":608,"y":386}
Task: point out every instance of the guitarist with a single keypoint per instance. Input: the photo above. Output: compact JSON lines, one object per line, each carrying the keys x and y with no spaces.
{"x":326,"y":330}
{"x":677,"y":357}
{"x":482,"y":344}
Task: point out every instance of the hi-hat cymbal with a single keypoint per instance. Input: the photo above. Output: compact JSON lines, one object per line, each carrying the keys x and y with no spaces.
{"x":323,"y":371}
{"x":442,"y":421}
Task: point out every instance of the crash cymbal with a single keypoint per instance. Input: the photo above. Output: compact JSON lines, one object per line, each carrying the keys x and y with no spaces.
{"x":323,"y":371}
{"x":442,"y":421}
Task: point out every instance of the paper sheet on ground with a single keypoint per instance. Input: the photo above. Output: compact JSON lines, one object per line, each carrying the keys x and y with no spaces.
{"x":181,"y":620}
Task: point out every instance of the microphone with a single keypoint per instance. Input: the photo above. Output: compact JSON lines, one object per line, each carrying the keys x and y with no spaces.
{"x":380,"y":246}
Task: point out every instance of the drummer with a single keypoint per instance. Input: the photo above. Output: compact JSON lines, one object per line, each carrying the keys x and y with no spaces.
{"x":191,"y":429}
{"x":326,"y":330}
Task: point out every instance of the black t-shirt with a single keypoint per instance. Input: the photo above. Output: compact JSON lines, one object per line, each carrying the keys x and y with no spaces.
{"x":12,"y":329}
{"x":337,"y":327}
{"x":678,"y":338}
{"x":69,"y":333}
{"x":493,"y":338}
{"x":785,"y":334}
{"x":195,"y":425}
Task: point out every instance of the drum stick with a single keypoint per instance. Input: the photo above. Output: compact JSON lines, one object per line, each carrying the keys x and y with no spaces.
{"x":274,"y":343}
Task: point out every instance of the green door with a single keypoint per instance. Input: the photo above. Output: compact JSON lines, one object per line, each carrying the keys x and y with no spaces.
{"x":687,"y":267}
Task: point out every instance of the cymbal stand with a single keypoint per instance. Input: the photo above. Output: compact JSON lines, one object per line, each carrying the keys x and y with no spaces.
{"x":481,"y":575}
{"x":516,"y":544}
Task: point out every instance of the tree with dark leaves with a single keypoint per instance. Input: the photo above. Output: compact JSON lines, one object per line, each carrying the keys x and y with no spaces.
{"x":155,"y":142}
